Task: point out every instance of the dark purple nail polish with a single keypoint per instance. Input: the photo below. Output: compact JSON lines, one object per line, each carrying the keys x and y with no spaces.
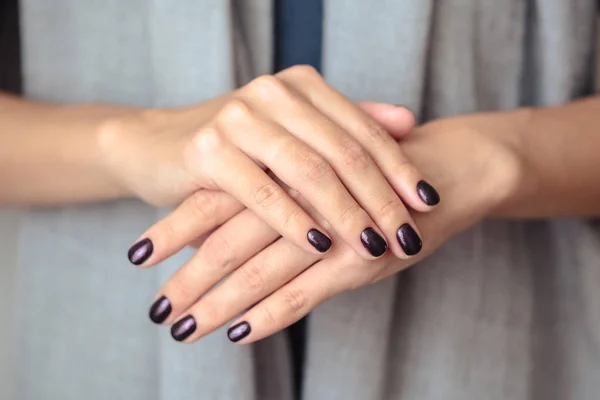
{"x":318,"y":240}
{"x":427,"y":193}
{"x":373,"y":242}
{"x":160,"y":310}
{"x":141,"y":251}
{"x":183,"y":328}
{"x":409,"y":240}
{"x":239,"y":331}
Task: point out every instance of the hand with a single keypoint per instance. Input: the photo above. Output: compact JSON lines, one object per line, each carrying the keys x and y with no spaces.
{"x":279,"y":283}
{"x":308,"y":135}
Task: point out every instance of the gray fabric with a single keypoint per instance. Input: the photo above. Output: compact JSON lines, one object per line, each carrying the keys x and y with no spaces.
{"x":505,"y":311}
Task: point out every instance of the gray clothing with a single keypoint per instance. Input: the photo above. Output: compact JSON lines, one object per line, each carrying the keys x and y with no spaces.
{"x":507,"y":310}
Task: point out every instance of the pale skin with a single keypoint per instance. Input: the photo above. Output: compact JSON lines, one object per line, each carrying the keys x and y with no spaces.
{"x":530,"y":163}
{"x":294,"y":124}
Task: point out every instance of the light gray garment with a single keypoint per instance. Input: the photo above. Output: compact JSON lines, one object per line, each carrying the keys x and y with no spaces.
{"x":504,"y":311}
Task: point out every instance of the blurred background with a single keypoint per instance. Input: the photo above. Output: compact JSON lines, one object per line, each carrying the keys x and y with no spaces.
{"x":9,"y":81}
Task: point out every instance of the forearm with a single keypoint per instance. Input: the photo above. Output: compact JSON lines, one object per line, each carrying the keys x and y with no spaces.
{"x":49,"y":153}
{"x":560,"y":152}
{"x":54,"y":154}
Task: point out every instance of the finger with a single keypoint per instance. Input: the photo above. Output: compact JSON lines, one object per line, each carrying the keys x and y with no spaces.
{"x":250,"y":283}
{"x":196,"y":243}
{"x":406,"y":179}
{"x":200,"y":213}
{"x":230,"y":246}
{"x":303,"y":169}
{"x":338,"y":164}
{"x":398,"y":121}
{"x":297,"y":298}
{"x":235,"y":173}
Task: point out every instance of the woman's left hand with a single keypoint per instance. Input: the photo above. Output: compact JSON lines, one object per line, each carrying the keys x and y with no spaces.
{"x":274,"y":283}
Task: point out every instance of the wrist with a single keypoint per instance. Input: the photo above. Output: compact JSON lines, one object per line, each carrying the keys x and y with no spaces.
{"x":110,"y":133}
{"x":505,"y":178}
{"x":82,"y":160}
{"x":513,"y":174}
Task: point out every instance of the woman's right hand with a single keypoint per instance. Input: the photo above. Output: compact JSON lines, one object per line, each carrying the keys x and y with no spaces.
{"x":306,"y":134}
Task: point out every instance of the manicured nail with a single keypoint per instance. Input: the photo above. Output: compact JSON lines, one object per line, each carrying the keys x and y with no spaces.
{"x":373,"y":242}
{"x":427,"y":193}
{"x":160,"y":310}
{"x":141,"y":251}
{"x":239,"y":331}
{"x":318,"y":240}
{"x":183,"y":328}
{"x":409,"y":240}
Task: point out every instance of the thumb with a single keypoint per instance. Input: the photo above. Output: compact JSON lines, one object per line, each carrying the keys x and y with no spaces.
{"x":397,"y":120}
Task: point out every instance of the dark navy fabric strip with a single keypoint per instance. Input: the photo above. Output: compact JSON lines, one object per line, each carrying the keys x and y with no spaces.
{"x":298,"y":33}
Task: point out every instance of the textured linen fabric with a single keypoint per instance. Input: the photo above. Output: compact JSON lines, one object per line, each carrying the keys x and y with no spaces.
{"x":507,"y":310}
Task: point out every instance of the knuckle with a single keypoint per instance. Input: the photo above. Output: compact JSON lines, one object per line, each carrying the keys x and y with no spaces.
{"x":166,"y":231}
{"x":207,"y":141}
{"x":315,"y":168}
{"x":405,"y":168}
{"x":374,"y":131}
{"x":210,"y":311}
{"x":253,"y":278}
{"x":201,"y":152}
{"x":355,"y":156}
{"x":266,"y":87}
{"x":235,"y":112}
{"x":268,"y":195}
{"x":281,"y":148}
{"x":204,"y":204}
{"x":294,"y":300}
{"x":291,"y":220}
{"x":389,"y":209}
{"x":350,"y":212}
{"x":268,"y":316}
{"x":218,"y":252}
{"x":183,"y":285}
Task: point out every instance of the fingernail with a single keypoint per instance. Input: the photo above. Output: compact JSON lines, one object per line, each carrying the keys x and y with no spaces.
{"x":183,"y":328}
{"x":160,"y":310}
{"x":409,"y":240}
{"x":239,"y":331}
{"x":373,"y":242}
{"x":141,"y":251}
{"x":427,"y":193}
{"x":318,"y":240}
